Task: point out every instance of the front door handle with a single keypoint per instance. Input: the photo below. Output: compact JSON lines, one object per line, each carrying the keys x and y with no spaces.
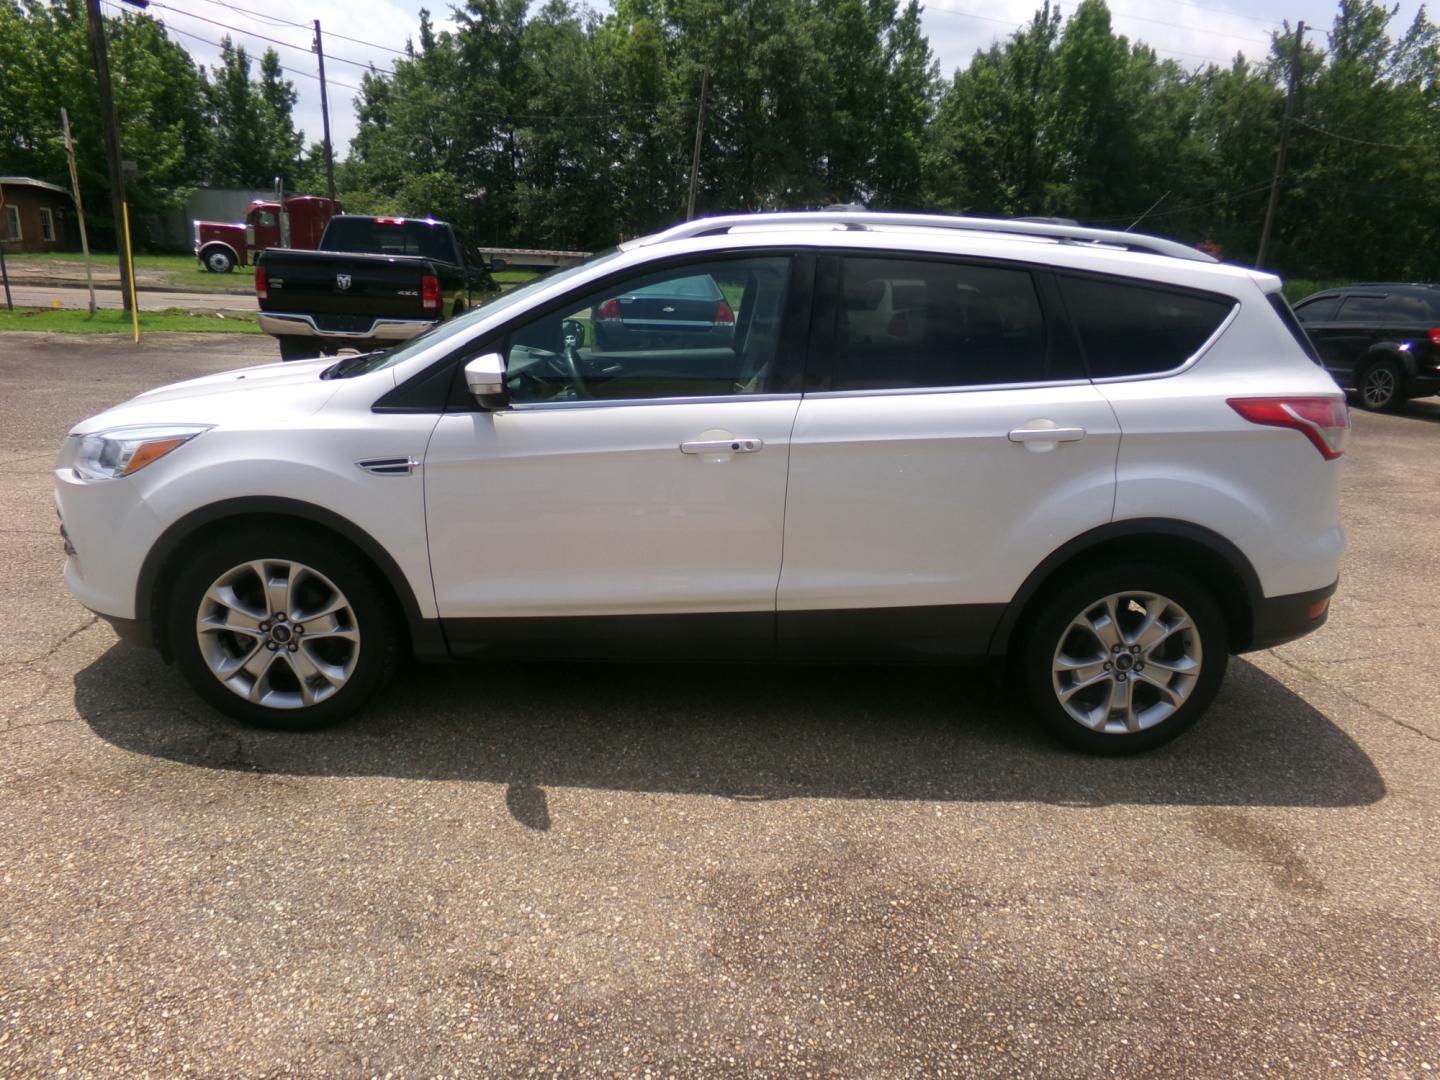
{"x":1047,"y":434}
{"x":740,"y":444}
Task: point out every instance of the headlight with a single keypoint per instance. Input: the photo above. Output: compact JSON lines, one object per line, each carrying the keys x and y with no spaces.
{"x":122,"y":451}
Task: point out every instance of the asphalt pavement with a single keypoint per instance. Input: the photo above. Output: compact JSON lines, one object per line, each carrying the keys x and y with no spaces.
{"x":518,"y":870}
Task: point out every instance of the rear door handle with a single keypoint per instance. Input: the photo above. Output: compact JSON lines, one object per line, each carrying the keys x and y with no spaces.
{"x":740,"y":444}
{"x":1047,"y":434}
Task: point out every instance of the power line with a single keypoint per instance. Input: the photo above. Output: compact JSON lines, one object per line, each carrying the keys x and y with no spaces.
{"x":1359,"y":142}
{"x":276,"y":20}
{"x":263,"y":37}
{"x":216,"y":45}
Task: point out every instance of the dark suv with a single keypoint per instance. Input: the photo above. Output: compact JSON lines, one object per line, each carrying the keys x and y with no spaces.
{"x":1380,"y":338}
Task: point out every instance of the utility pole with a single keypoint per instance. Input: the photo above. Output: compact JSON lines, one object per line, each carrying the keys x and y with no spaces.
{"x":325,"y":117}
{"x":111,"y":130}
{"x":79,"y":206}
{"x":695,"y":158}
{"x":1284,"y":146}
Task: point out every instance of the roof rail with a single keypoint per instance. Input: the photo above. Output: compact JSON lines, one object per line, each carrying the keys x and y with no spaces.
{"x":853,"y":219}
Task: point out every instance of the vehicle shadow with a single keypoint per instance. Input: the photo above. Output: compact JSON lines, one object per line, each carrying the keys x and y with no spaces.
{"x":1423,"y":409}
{"x":742,"y":732}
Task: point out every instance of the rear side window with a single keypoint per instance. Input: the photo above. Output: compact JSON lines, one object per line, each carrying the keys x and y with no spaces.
{"x":1321,"y":309}
{"x":1128,"y":329}
{"x":1386,"y":308}
{"x":908,"y":323}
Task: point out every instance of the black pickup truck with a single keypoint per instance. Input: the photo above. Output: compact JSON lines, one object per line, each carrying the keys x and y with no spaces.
{"x":373,"y":281}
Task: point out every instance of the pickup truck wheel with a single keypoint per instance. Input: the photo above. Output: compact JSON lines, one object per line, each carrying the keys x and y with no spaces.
{"x":1382,"y":386}
{"x":281,"y":629}
{"x":218,"y":261}
{"x":298,"y":348}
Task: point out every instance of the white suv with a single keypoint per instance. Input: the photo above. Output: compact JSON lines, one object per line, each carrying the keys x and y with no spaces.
{"x":1102,"y":456}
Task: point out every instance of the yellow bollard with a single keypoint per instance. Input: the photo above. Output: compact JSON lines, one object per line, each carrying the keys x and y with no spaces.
{"x":130,"y":258}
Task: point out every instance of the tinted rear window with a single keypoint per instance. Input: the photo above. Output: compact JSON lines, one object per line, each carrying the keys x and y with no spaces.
{"x":1320,"y":309}
{"x":1386,"y":308}
{"x":1129,"y":329}
{"x":369,"y":237}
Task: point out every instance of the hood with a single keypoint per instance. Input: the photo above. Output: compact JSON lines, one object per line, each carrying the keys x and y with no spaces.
{"x":271,"y":391}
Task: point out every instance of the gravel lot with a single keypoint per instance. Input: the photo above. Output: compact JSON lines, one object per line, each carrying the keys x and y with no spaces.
{"x":596,"y":870}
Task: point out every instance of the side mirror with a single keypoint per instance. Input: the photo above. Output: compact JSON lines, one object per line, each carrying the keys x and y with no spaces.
{"x":572,"y":333}
{"x":485,"y":378}
{"x":497,"y":264}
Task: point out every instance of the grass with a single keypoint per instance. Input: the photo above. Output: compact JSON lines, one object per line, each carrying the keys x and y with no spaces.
{"x":69,"y":321}
{"x":176,"y":271}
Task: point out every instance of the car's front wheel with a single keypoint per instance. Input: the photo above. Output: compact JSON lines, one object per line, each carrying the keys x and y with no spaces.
{"x":281,"y":630}
{"x":1125,"y":659}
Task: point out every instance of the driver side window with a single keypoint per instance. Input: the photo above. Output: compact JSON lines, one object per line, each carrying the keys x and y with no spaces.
{"x":701,"y":330}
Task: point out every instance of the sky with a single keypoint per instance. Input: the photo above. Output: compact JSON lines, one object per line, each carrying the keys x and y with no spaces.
{"x":1194,"y":32}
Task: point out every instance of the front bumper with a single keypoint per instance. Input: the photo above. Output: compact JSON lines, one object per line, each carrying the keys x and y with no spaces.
{"x":106,"y":530}
{"x":1279,"y":619}
{"x":285,"y":325}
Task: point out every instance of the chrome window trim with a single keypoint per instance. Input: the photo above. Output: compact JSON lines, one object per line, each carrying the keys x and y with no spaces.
{"x":1191,"y":361}
{"x":547,"y":406}
{"x":903,"y":391}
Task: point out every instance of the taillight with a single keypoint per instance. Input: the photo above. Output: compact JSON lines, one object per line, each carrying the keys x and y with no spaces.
{"x":430,"y":292}
{"x":1325,"y":421}
{"x":262,"y":283}
{"x":1435,"y":336}
{"x":723,"y":314}
{"x":609,"y":311}
{"x":389,"y":221}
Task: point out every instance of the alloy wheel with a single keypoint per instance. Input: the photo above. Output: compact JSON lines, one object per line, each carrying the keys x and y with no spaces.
{"x":1379,"y":388}
{"x":1127,"y":662}
{"x":278,"y":633}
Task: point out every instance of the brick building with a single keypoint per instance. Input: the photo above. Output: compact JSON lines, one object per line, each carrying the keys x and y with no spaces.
{"x":36,"y":216}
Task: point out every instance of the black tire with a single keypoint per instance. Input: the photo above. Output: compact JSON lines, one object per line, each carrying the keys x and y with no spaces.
{"x":298,"y":348}
{"x":1050,"y":635}
{"x":369,"y":613}
{"x":1381,"y":386}
{"x":217,"y":260}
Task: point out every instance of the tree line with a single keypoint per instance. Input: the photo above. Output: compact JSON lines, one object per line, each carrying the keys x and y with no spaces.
{"x":559,"y":126}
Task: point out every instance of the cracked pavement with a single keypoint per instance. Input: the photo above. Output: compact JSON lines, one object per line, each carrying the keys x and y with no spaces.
{"x":630,"y":871}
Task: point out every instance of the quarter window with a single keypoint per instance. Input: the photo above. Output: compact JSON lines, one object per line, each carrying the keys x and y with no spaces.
{"x":1130,"y":329}
{"x":704,"y":330}
{"x":913,"y":323}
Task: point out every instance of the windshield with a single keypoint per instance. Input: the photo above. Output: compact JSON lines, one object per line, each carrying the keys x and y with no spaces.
{"x":365,"y":363}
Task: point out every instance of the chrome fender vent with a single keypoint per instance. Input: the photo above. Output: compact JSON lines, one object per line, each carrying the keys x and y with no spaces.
{"x":389,"y":466}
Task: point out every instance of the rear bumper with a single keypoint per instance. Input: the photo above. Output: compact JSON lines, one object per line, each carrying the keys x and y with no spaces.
{"x":1279,"y":619}
{"x":286,"y":325}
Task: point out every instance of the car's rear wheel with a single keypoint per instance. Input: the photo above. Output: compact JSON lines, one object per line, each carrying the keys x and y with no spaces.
{"x":281,"y":630}
{"x":1125,"y":659}
{"x":1382,"y":386}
